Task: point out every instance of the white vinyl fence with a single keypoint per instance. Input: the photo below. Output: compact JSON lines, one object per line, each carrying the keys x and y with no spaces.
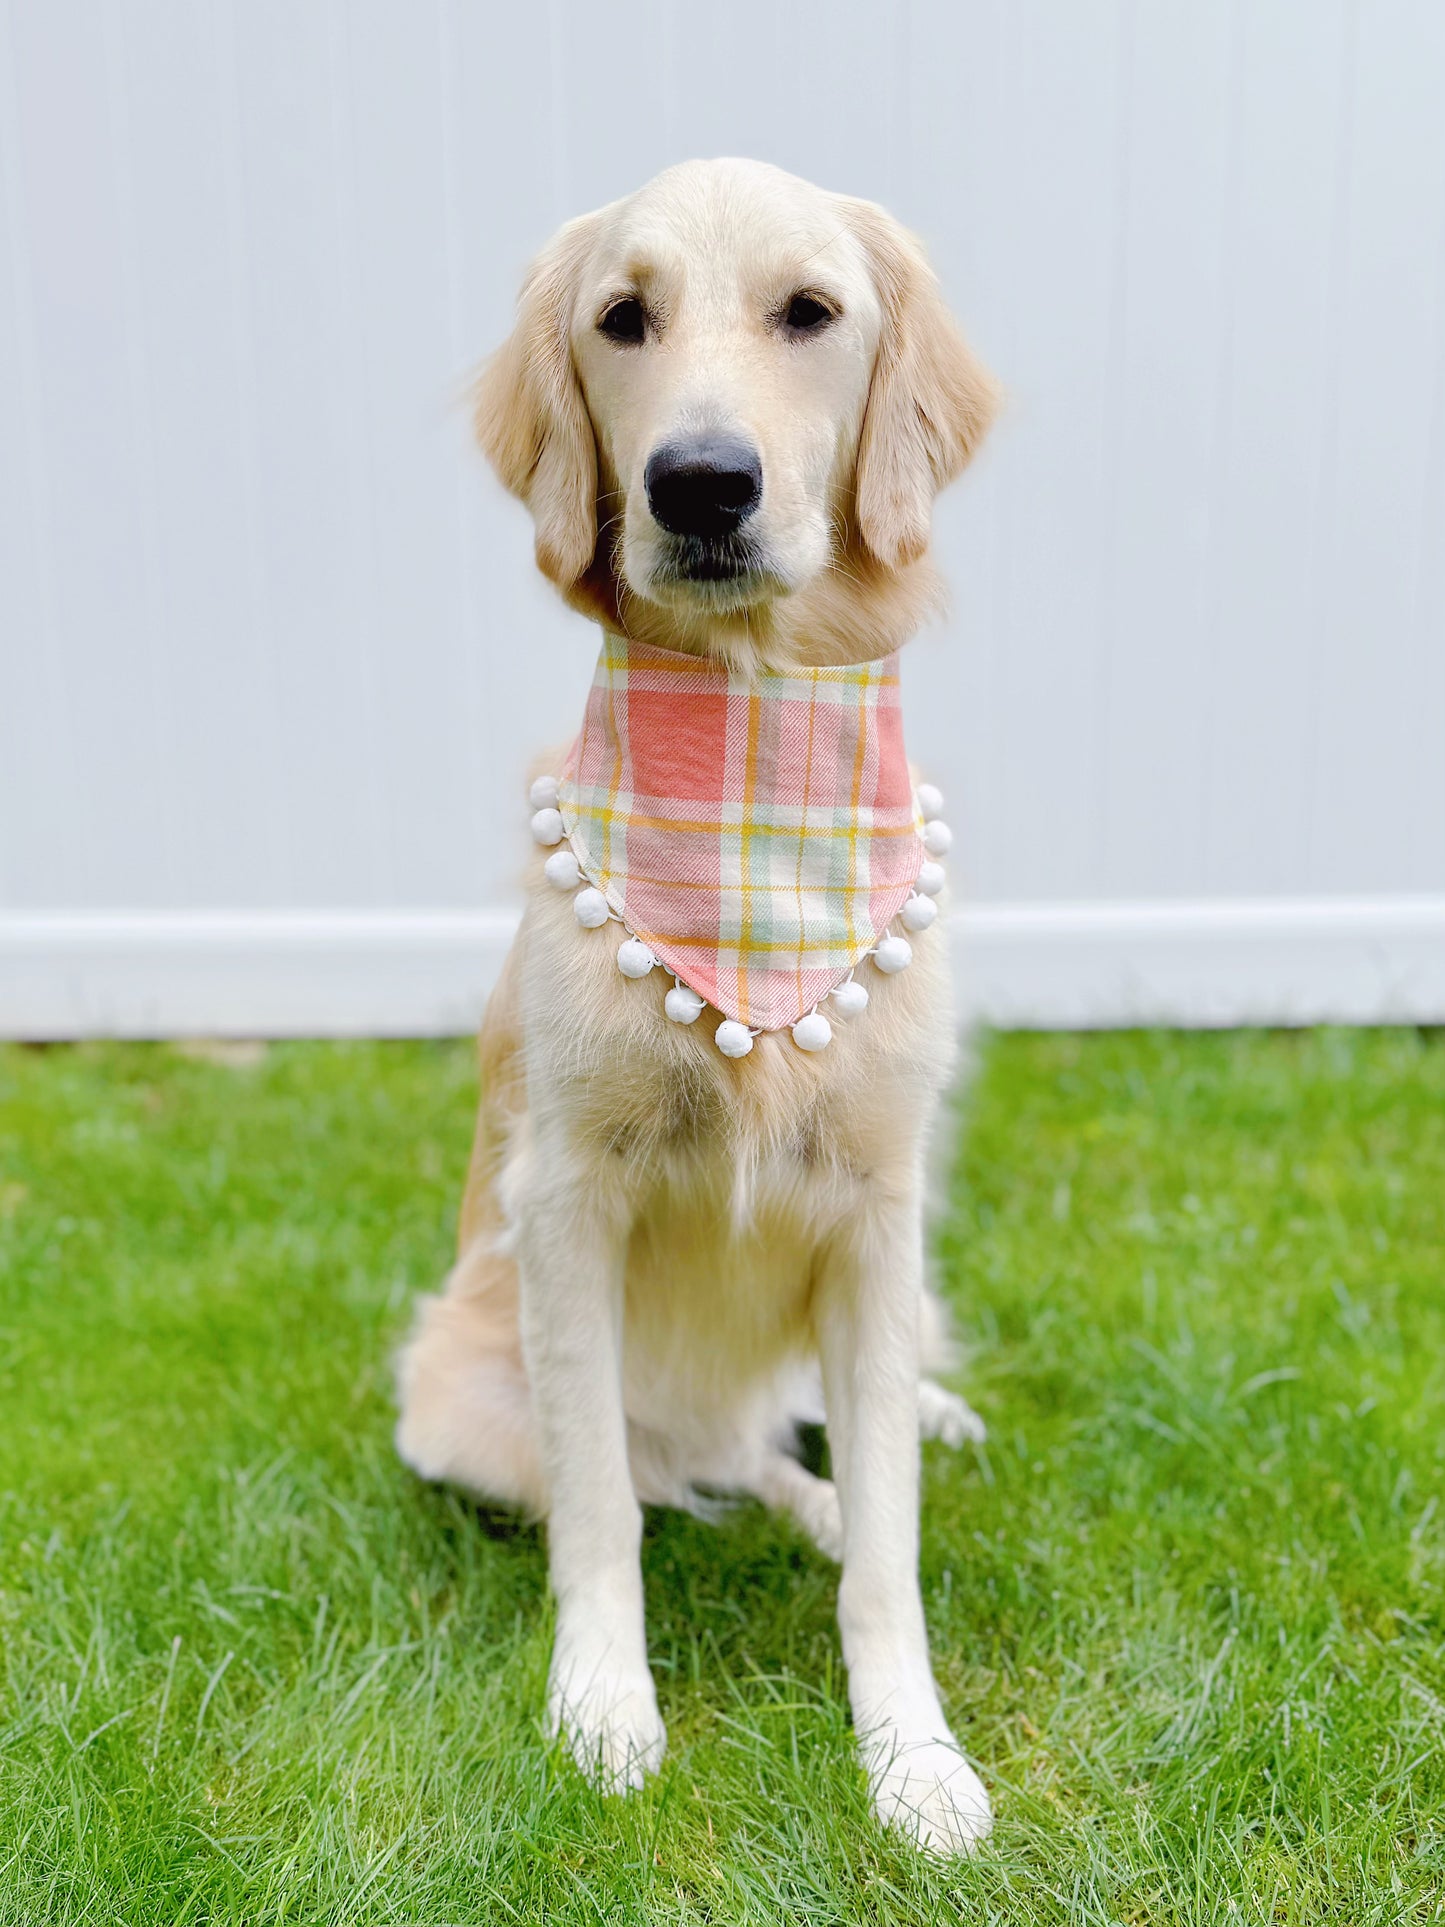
{"x":272,"y":652}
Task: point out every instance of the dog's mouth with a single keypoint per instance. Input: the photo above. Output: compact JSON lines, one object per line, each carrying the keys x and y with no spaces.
{"x":711,"y":558}
{"x":716,"y":569}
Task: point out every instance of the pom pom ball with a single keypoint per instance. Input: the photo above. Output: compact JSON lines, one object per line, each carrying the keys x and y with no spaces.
{"x":848,"y":999}
{"x":813,"y":1032}
{"x":892,"y":955}
{"x":733,"y":1039}
{"x":682,"y":1005}
{"x":590,"y":909}
{"x":634,"y":959}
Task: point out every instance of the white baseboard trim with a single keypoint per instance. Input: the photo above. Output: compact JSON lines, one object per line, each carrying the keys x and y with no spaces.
{"x":402,"y":973}
{"x":1207,"y":963}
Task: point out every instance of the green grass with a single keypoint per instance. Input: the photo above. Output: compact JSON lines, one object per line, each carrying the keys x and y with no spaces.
{"x":1185,"y":1607}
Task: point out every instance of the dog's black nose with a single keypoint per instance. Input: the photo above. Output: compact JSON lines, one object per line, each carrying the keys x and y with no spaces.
{"x":706,"y":485}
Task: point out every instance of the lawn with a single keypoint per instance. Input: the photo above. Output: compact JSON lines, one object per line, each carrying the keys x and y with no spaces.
{"x":1185,"y":1605}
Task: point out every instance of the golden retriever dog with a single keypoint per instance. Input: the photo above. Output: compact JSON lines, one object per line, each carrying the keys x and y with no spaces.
{"x":668,"y":1258}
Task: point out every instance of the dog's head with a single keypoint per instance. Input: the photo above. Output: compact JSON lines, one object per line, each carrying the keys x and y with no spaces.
{"x":724,"y":387}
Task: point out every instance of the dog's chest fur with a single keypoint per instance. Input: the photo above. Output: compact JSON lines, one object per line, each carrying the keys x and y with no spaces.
{"x":655,"y":1109}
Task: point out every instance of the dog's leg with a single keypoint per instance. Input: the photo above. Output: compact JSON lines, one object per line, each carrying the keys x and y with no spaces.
{"x":943,"y":1415}
{"x":867,"y":1316}
{"x":788,"y":1487}
{"x":571,"y":1246}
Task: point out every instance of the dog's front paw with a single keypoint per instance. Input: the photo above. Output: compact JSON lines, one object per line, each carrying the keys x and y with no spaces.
{"x":609,"y":1719}
{"x":944,"y":1415}
{"x":927,"y":1790}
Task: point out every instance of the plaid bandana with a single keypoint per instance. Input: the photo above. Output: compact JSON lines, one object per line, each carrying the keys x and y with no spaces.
{"x":758,"y":836}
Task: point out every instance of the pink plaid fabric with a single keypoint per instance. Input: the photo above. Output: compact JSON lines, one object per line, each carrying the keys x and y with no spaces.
{"x":758,"y":836}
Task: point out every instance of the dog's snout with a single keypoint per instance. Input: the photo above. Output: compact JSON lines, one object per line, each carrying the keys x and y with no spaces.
{"x":704,"y":485}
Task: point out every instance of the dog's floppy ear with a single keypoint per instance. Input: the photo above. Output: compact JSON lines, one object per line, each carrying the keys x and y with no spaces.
{"x":530,"y":417}
{"x":931,"y":399}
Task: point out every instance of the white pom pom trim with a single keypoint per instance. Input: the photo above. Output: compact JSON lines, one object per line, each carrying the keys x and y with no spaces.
{"x":543,"y":794}
{"x":849,"y":998}
{"x":733,"y":1039}
{"x":892,"y":955}
{"x":683,"y":1005}
{"x":930,"y":799}
{"x":813,"y":1032}
{"x":562,"y":870}
{"x":634,"y":959}
{"x":589,"y":907}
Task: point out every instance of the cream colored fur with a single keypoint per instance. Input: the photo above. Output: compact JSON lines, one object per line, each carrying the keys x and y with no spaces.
{"x":668,"y":1258}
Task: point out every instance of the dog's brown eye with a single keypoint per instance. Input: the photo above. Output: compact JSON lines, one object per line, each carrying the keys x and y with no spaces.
{"x":806,"y":314}
{"x":624,"y":320}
